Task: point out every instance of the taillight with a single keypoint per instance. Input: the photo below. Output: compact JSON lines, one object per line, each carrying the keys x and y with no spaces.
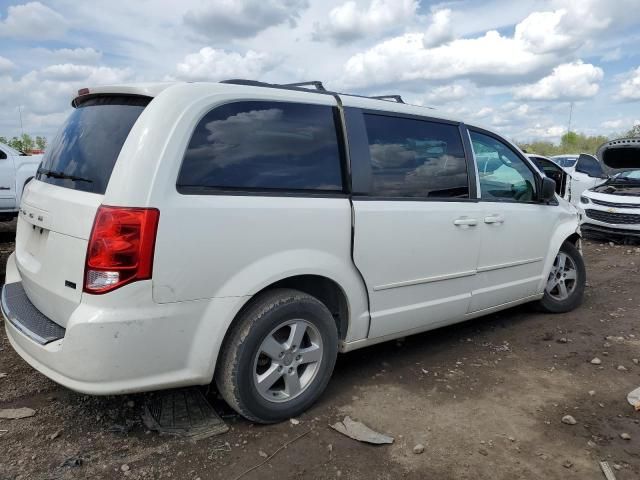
{"x":120,"y":248}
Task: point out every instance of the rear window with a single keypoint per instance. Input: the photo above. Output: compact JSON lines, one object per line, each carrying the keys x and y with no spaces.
{"x":85,"y":150}
{"x":263,"y":146}
{"x":416,"y":158}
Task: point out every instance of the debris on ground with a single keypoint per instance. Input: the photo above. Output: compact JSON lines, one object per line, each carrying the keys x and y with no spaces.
{"x":606,"y":469}
{"x":16,"y":413}
{"x":294,"y":421}
{"x":634,"y":398}
{"x":72,"y":462}
{"x":54,"y":435}
{"x":596,"y":361}
{"x":359,"y":431}
{"x":625,"y":436}
{"x":183,"y":412}
{"x":2,"y":375}
{"x":569,"y":420}
{"x":418,"y":449}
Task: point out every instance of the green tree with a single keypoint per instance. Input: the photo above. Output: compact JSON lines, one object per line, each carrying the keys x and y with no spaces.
{"x":4,"y":140}
{"x":634,"y":132}
{"x":41,"y":143}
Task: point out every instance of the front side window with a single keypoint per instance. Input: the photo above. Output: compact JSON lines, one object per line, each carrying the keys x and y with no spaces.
{"x":503,"y":175}
{"x":416,"y":158}
{"x":264,"y":146}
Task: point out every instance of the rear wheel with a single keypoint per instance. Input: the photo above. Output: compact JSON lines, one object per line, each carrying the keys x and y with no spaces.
{"x":278,"y":357}
{"x":566,"y":282}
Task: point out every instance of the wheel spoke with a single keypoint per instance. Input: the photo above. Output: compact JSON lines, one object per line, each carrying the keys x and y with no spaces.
{"x":268,"y":378}
{"x":292,"y":383}
{"x":562,"y":287}
{"x":272,"y":348}
{"x":296,"y":335}
{"x":551,"y":283}
{"x":570,"y":275}
{"x":562,"y":258}
{"x":310,"y":354}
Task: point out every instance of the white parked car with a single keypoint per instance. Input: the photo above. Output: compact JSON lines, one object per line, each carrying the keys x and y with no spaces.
{"x":245,"y":233}
{"x":16,"y":170}
{"x":612,"y":209}
{"x":585,"y":172}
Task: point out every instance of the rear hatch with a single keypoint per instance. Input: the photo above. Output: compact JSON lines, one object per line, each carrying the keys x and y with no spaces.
{"x":58,"y":208}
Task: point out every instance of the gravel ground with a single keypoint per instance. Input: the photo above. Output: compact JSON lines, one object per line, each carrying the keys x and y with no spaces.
{"x":485,"y":398}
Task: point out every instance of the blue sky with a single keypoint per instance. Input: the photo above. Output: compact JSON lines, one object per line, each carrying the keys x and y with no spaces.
{"x":514,"y":66}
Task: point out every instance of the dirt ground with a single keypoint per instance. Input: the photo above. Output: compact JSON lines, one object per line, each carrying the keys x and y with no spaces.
{"x":485,"y":398}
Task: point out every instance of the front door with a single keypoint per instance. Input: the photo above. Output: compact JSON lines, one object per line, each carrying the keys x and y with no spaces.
{"x":516,"y":228}
{"x":416,"y":237}
{"x":7,"y":181}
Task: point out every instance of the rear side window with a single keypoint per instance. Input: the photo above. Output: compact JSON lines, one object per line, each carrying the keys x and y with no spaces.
{"x":85,"y":150}
{"x":416,"y":158}
{"x":258,"y":145}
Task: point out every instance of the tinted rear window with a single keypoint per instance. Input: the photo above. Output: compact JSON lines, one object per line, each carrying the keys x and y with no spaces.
{"x":416,"y":158}
{"x":88,"y":144}
{"x":258,"y":145}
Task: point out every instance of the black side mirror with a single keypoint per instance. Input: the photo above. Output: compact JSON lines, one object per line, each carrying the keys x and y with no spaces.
{"x":547,"y":189}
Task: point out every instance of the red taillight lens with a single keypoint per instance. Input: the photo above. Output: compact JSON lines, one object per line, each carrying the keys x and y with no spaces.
{"x":121,"y":247}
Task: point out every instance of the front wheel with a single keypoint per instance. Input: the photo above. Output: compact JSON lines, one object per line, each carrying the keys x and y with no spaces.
{"x":278,"y":357}
{"x":566,"y":282}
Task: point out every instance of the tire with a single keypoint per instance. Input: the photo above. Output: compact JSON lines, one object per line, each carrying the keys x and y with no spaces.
{"x":260,"y":348}
{"x":555,"y":300}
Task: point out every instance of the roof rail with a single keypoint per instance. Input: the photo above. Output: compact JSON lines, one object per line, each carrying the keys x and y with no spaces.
{"x":314,"y":83}
{"x":397,"y":98}
{"x":300,"y":86}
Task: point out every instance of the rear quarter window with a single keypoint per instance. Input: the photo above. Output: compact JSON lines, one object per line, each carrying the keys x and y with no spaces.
{"x":264,"y":146}
{"x":85,"y":150}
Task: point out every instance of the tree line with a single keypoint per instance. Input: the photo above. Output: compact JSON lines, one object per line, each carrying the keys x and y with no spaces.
{"x":573,"y":142}
{"x":25,"y":143}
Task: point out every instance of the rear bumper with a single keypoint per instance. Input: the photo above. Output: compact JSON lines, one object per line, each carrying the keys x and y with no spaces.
{"x":137,"y":346}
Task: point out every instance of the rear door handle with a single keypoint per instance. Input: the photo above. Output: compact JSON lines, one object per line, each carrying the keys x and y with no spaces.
{"x":494,"y":219}
{"x":465,"y":222}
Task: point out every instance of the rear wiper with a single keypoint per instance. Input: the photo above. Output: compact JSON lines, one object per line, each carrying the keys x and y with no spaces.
{"x":62,"y":175}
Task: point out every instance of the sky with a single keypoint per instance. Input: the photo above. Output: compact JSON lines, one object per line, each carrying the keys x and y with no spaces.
{"x":512,"y":66}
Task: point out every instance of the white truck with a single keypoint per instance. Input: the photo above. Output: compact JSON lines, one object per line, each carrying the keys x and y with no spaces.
{"x":16,"y":170}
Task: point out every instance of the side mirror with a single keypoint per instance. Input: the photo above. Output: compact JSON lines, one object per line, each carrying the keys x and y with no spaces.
{"x":547,"y":189}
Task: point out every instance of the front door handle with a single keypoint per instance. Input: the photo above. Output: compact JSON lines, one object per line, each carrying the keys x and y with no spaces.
{"x":465,"y":222}
{"x":494,"y":219}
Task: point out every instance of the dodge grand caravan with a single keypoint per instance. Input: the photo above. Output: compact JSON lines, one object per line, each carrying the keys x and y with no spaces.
{"x":244,"y":233}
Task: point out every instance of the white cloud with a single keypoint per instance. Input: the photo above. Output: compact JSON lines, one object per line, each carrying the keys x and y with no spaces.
{"x":613,"y":124}
{"x":229,"y":19}
{"x":33,"y":20}
{"x":70,"y":55}
{"x":542,"y":132}
{"x":630,"y":88}
{"x":213,"y":64}
{"x":440,"y":30}
{"x":569,"y":81}
{"x":404,"y":58}
{"x":542,"y":40}
{"x":50,"y":90}
{"x":351,"y":20}
{"x":6,"y":65}
{"x":446,"y":93}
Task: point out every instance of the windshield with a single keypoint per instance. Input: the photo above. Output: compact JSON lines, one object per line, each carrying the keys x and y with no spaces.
{"x":84,"y":152}
{"x":631,"y":175}
{"x":565,"y":162}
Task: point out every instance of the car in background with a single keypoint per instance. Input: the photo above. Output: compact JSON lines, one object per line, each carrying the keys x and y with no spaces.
{"x":16,"y":170}
{"x":612,"y":209}
{"x":586,"y":172}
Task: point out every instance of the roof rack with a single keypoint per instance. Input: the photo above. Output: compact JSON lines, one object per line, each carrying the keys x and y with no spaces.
{"x":314,"y":83}
{"x":397,"y":98}
{"x":300,"y":86}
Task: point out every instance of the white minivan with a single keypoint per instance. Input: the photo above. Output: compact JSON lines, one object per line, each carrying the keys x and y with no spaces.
{"x":245,"y":233}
